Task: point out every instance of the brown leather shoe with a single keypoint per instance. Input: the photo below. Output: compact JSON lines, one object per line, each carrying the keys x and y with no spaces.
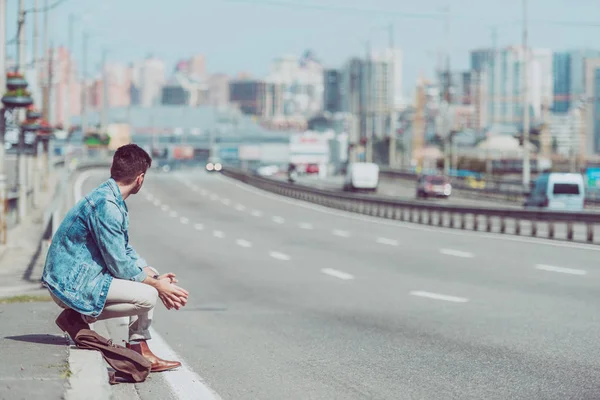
{"x":158,"y":364}
{"x":70,"y":321}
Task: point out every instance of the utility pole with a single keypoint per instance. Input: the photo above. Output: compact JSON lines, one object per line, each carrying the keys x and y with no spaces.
{"x":67,"y":122}
{"x":21,"y":159}
{"x":3,"y":194}
{"x":46,"y":87}
{"x":392,"y":104}
{"x":526,"y":163}
{"x":495,"y":98}
{"x":105,"y":105}
{"x":368,"y":106}
{"x":84,"y":121}
{"x":447,"y":97}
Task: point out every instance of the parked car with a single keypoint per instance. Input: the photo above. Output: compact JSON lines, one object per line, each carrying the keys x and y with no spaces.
{"x":557,"y":191}
{"x":433,"y":186}
{"x":312,"y":169}
{"x":362,"y":176}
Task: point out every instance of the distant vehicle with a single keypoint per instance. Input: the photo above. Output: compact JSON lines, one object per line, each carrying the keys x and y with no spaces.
{"x":214,"y":165}
{"x":557,"y":191}
{"x":267,"y":170}
{"x":361,"y":177}
{"x":433,"y":186}
{"x":312,"y":169}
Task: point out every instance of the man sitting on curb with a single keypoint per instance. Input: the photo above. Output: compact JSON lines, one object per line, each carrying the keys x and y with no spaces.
{"x":94,"y":274}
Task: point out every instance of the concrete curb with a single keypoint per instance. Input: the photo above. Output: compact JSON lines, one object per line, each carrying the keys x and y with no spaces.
{"x":89,"y":377}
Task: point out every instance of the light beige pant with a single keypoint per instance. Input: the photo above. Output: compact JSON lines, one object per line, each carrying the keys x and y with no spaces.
{"x":135,"y":300}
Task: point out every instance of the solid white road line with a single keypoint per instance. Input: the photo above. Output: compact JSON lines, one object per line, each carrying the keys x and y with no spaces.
{"x":199,"y":227}
{"x":406,"y":225}
{"x":173,"y":214}
{"x":456,"y":253}
{"x":240,"y":207}
{"x":257,"y":213}
{"x":280,"y":256}
{"x":185,"y":383}
{"x":243,"y":243}
{"x":337,"y":274}
{"x":562,"y":270}
{"x":218,"y":234}
{"x":184,"y":220}
{"x":437,"y":296}
{"x":78,"y":186}
{"x":165,"y":207}
{"x":305,"y":225}
{"x":341,"y":233}
{"x":278,"y":220}
{"x":389,"y":242}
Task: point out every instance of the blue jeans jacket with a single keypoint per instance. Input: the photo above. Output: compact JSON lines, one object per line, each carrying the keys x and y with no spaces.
{"x":90,"y":247}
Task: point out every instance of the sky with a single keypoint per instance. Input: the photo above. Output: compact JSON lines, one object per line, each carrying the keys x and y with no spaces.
{"x":246,"y":35}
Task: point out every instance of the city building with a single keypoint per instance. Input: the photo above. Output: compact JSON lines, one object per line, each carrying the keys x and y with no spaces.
{"x":568,"y":73}
{"x":250,"y":96}
{"x":505,"y":83}
{"x":459,"y":86}
{"x":64,"y":102}
{"x":147,"y":80}
{"x":185,"y":90}
{"x":332,"y":94}
{"x":480,"y":59}
{"x":218,"y":89}
{"x":197,"y":67}
{"x":590,"y":107}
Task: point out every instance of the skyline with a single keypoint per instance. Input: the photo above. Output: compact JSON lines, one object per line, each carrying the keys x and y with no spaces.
{"x":227,"y":31}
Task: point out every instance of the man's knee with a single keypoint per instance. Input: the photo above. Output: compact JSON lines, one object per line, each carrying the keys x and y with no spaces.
{"x":149,"y":298}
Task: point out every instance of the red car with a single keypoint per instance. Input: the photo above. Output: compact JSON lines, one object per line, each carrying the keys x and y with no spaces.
{"x":312,"y":169}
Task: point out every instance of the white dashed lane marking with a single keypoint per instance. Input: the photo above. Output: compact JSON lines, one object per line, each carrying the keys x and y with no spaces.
{"x":243,"y":243}
{"x":184,"y":220}
{"x":157,"y":202}
{"x":256,"y":213}
{"x":280,"y":256}
{"x":389,"y":242}
{"x":437,"y":296}
{"x":218,"y":234}
{"x":165,"y":207}
{"x":571,"y":271}
{"x":337,"y":274}
{"x":173,"y":214}
{"x":456,"y":253}
{"x":199,"y":227}
{"x":226,"y":201}
{"x":305,"y":225}
{"x":341,"y":233}
{"x":278,"y":220}
{"x":240,"y":207}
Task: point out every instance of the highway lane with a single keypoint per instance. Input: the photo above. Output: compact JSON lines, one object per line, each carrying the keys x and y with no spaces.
{"x":403,"y":189}
{"x":291,"y":302}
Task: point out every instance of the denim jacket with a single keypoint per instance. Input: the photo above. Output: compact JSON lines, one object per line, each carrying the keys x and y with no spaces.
{"x":90,"y":247}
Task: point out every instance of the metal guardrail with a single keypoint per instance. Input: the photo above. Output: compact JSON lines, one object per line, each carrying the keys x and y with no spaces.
{"x":460,"y":217}
{"x":509,"y":190}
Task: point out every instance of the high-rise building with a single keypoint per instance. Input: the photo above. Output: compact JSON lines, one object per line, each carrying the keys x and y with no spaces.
{"x":147,"y":80}
{"x":569,"y":79}
{"x":505,"y":86}
{"x":590,"y":105}
{"x":332,"y":95}
{"x":197,"y":66}
{"x":64,"y":102}
{"x":480,"y":59}
{"x":218,"y":89}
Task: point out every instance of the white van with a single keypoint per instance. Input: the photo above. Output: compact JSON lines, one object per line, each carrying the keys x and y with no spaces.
{"x":558,"y":191}
{"x":362,"y":176}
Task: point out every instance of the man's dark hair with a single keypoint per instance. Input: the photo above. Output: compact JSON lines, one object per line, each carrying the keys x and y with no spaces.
{"x":128,"y":162}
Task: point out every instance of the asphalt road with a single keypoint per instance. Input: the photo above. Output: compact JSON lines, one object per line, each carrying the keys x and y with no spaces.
{"x":294,"y":301}
{"x":403,"y":189}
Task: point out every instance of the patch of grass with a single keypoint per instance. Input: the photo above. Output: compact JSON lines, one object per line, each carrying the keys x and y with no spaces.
{"x":66,"y":371}
{"x":24,"y":299}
